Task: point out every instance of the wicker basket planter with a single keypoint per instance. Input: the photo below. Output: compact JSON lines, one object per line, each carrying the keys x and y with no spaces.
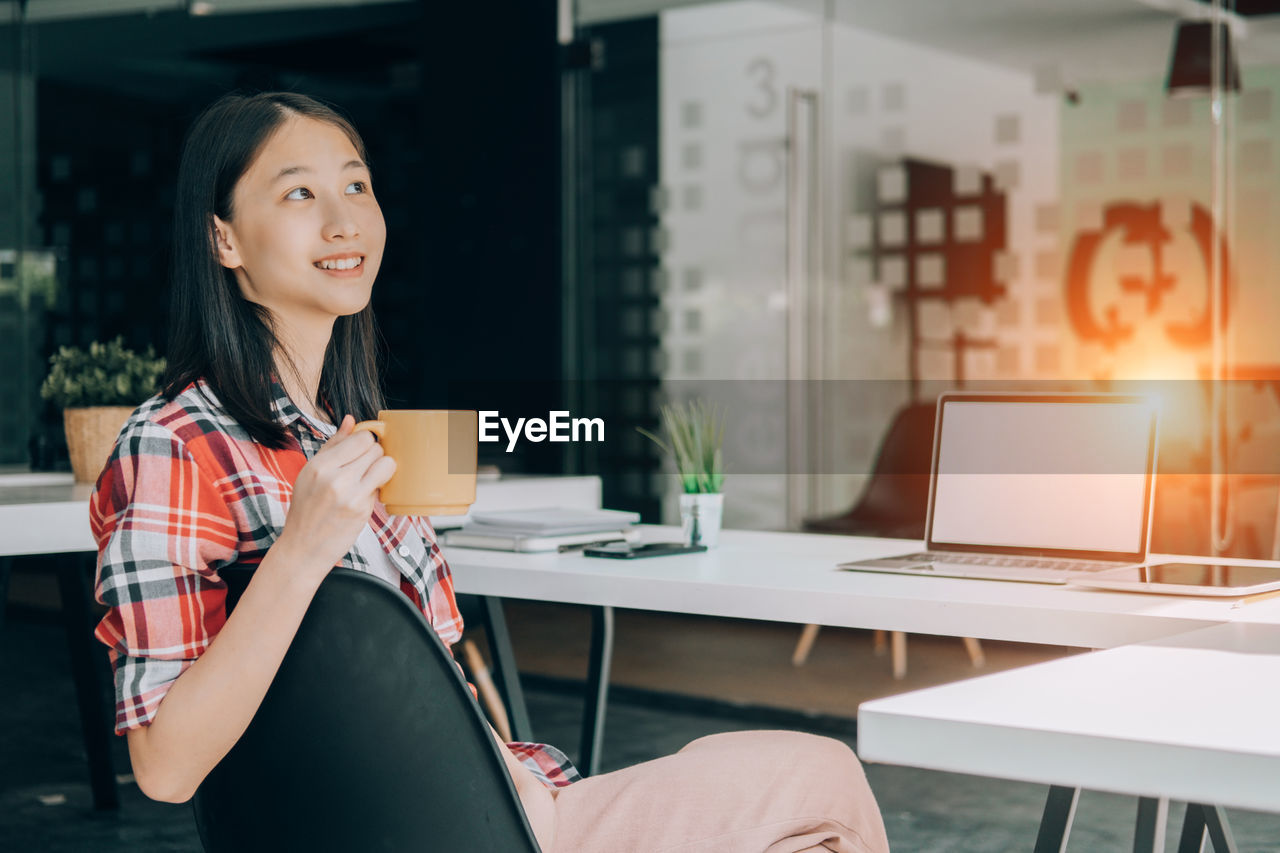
{"x":91,"y":433}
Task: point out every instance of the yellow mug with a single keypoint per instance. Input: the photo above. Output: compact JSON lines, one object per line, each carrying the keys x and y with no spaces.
{"x":435,"y":454}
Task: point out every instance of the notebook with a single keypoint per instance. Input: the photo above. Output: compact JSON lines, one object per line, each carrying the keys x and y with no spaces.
{"x":1044,"y":488}
{"x":554,"y":521}
{"x":544,"y":529}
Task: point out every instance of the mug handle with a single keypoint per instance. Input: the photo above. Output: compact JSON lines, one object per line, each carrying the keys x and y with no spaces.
{"x":378,"y":428}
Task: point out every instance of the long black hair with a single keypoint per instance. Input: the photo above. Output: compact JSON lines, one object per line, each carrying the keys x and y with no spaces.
{"x":215,"y":333}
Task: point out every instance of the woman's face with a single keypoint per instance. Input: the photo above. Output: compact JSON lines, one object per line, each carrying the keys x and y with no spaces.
{"x":306,"y":235}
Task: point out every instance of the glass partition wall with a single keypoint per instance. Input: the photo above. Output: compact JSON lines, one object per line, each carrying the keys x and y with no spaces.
{"x":95,"y":98}
{"x":27,"y":269}
{"x":861,"y":204}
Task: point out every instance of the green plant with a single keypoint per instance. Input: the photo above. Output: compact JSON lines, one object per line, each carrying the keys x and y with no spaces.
{"x":104,"y":375}
{"x":695,"y":434}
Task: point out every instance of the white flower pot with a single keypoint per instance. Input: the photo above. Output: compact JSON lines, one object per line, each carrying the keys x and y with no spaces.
{"x":700,"y":518}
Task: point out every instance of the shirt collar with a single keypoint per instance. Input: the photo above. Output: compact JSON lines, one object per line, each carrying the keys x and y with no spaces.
{"x":289,"y":414}
{"x":286,"y":412}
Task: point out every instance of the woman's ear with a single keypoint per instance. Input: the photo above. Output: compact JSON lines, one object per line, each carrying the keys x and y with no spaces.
{"x":228,"y":254}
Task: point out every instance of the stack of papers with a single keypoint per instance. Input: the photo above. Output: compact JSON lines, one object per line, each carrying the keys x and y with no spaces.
{"x":548,"y":529}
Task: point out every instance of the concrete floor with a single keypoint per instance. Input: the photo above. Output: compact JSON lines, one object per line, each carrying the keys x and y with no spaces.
{"x":44,"y":796}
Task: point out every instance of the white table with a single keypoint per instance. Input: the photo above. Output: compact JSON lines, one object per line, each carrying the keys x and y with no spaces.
{"x":1191,"y":717}
{"x":791,"y":577}
{"x":752,"y":575}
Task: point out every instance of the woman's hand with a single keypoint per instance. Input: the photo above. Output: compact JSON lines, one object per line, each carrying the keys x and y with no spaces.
{"x":334,"y":495}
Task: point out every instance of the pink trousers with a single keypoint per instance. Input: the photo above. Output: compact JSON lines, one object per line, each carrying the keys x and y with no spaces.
{"x":742,"y":792}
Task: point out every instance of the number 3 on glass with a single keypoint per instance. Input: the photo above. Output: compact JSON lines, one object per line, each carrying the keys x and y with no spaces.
{"x":761,"y":70}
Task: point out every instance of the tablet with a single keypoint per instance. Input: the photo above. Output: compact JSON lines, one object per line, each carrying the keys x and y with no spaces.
{"x":1188,"y":579}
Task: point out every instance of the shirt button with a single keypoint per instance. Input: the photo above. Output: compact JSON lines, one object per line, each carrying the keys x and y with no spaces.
{"x":403,"y":551}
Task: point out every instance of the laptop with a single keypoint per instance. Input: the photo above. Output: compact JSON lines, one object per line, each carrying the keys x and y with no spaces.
{"x":1043,"y":488}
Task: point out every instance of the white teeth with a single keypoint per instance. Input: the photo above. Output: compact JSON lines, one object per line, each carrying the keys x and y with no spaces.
{"x":343,"y":264}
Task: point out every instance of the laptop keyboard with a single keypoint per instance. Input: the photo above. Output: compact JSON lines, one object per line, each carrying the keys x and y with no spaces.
{"x":969,"y":559}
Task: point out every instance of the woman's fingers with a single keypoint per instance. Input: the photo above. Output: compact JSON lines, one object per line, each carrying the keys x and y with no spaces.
{"x":367,"y":457}
{"x":378,"y":473}
{"x":343,"y":448}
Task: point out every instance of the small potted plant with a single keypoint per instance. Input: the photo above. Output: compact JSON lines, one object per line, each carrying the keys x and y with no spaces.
{"x":97,"y":389}
{"x":694,"y":441}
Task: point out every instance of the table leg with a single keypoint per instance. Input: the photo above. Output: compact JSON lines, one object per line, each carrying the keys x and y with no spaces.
{"x":597,"y":695}
{"x":1148,"y":832}
{"x":73,"y":570}
{"x":1199,"y":818}
{"x":6,"y":566}
{"x":504,"y":666}
{"x":1055,"y":825}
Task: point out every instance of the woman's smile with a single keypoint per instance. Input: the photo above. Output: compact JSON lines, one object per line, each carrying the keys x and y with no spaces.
{"x":345,"y":265}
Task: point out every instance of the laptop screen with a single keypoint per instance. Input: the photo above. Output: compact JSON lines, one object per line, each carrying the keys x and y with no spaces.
{"x":1045,"y":474}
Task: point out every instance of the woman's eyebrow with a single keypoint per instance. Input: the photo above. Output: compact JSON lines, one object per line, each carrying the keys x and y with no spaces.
{"x":297,"y":170}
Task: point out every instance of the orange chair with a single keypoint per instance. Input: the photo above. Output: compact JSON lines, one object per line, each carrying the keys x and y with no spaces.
{"x":894,"y":504}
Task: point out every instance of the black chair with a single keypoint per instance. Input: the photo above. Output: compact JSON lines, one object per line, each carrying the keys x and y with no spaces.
{"x":896,"y":499}
{"x":368,"y":739}
{"x":894,"y":504}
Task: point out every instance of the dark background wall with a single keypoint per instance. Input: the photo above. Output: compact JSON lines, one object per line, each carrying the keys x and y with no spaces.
{"x":460,"y":108}
{"x":481,"y":325}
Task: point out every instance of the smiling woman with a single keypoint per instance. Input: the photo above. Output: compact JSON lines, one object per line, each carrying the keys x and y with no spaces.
{"x":278,"y":238}
{"x":305,"y":205}
{"x":271,"y":186}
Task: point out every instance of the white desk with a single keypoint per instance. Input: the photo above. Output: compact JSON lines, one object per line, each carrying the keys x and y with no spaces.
{"x":1192,"y":717}
{"x":790,"y":577}
{"x":752,"y":575}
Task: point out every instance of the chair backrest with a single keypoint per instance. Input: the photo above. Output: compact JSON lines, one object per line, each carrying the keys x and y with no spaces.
{"x":368,"y":739}
{"x":895,"y":500}
{"x":900,"y":480}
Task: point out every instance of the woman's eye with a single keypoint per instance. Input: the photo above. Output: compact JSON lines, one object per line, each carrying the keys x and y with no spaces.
{"x":293,"y":194}
{"x":362,"y":187}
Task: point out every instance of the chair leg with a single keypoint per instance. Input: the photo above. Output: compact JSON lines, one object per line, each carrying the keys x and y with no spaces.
{"x":879,"y":643}
{"x":899,"y":640}
{"x":974,"y":648}
{"x":488,"y":693}
{"x":807,"y":636}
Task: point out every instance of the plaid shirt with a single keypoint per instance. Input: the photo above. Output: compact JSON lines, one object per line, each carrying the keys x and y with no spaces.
{"x":187,"y":492}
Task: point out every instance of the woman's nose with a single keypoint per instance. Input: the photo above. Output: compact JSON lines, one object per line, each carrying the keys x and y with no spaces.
{"x":340,"y":221}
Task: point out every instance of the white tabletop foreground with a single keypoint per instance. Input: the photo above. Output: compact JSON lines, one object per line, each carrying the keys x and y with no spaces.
{"x":792,"y":577}
{"x":1193,"y":717}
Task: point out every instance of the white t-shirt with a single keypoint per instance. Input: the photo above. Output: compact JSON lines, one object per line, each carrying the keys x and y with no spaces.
{"x":379,"y":564}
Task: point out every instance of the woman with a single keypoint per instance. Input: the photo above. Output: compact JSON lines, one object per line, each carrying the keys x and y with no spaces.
{"x":277,"y":240}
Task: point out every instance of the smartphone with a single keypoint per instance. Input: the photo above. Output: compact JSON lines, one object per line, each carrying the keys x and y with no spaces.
{"x":627,"y":551}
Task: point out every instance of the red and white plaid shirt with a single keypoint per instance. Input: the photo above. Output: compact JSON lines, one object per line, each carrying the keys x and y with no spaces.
{"x":187,"y":492}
